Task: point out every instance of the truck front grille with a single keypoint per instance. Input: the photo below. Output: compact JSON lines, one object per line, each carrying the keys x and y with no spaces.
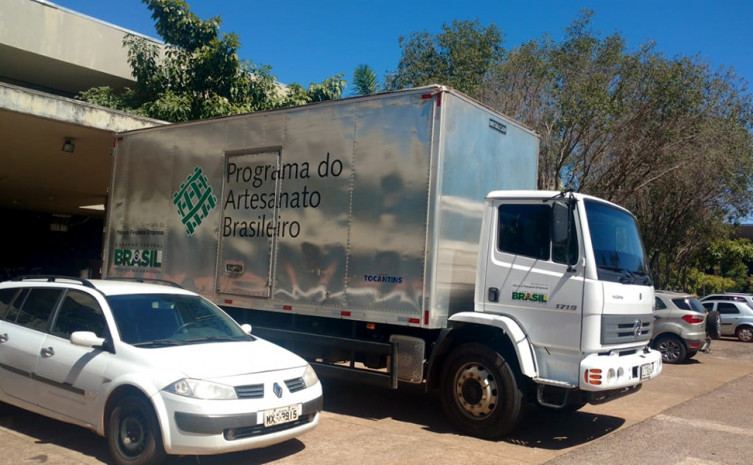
{"x":624,"y":329}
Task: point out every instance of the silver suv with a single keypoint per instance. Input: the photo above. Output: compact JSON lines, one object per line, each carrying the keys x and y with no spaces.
{"x":679,"y":326}
{"x":737,"y":318}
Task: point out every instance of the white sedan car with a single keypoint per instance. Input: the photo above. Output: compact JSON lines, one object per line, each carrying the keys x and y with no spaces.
{"x":153,"y":368}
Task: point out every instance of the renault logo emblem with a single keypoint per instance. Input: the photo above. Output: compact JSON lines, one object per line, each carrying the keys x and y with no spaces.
{"x":277,"y":390}
{"x":637,"y":329}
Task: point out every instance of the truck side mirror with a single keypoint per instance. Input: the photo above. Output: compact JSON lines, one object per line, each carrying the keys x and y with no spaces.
{"x":563,"y":232}
{"x":560,"y":218}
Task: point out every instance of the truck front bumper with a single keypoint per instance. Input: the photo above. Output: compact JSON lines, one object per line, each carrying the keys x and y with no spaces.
{"x":619,"y":369}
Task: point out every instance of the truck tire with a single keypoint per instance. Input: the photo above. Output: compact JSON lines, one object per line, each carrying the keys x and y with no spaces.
{"x":481,"y":392}
{"x":714,"y":325}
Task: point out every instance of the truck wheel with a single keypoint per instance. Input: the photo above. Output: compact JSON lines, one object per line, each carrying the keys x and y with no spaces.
{"x":744,"y":333}
{"x":133,"y":435}
{"x":672,"y":349}
{"x":480,"y":391}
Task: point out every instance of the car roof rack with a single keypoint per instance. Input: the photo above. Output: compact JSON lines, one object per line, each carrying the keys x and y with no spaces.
{"x":54,"y":278}
{"x":146,"y":280}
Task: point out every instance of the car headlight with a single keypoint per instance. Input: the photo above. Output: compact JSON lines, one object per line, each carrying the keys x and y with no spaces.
{"x":200,"y":389}
{"x":309,"y":376}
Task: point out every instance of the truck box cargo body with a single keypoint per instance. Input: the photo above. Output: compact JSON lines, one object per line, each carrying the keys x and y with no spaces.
{"x":369,"y":235}
{"x":367,"y":209}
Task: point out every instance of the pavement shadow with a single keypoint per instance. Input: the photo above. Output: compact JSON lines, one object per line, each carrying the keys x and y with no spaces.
{"x":43,"y":430}
{"x":255,"y":456}
{"x":539,"y":427}
{"x":552,"y":430}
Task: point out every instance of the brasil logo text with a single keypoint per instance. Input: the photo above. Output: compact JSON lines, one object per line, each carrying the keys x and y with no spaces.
{"x":529,"y":297}
{"x":146,"y":258}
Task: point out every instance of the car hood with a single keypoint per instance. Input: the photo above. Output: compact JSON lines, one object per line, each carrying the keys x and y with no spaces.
{"x":225,"y":359}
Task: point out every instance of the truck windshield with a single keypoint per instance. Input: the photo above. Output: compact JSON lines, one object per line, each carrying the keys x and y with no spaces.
{"x":617,"y":245}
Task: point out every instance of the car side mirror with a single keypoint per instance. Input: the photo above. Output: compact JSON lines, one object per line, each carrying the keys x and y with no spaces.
{"x":86,"y":339}
{"x":246,"y":328}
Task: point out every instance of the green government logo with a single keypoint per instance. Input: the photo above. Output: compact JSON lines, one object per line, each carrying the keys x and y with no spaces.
{"x":194,"y":200}
{"x":529,"y":297}
{"x":146,"y":258}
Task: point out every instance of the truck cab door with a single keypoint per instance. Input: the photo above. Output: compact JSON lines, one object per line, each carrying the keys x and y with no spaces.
{"x":528,"y":275}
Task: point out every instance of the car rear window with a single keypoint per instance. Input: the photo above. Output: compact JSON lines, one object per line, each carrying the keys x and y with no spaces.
{"x":689,"y":303}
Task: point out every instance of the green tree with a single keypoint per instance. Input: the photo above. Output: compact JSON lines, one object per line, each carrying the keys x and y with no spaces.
{"x":670,"y":139}
{"x":198,"y":74}
{"x":365,"y":80}
{"x":459,"y":56}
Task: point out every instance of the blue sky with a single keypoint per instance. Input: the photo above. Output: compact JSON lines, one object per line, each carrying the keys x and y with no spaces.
{"x":307,"y":41}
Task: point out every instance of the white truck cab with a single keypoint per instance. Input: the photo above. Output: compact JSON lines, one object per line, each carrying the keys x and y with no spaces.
{"x":564,"y":275}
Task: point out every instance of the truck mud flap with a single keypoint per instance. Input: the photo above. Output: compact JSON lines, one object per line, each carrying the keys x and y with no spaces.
{"x":606,"y":396}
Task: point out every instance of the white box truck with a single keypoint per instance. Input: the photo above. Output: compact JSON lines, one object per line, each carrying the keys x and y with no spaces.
{"x":394,"y":238}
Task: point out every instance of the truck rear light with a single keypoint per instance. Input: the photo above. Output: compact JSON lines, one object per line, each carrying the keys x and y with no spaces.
{"x":593,"y":376}
{"x":693,"y":319}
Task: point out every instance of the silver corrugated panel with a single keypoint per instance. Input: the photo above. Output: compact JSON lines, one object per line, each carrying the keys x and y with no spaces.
{"x":366,"y":208}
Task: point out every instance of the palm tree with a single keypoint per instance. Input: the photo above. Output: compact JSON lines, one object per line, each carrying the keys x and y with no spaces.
{"x":365,"y":80}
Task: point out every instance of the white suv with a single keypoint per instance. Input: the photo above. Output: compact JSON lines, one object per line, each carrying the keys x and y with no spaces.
{"x":155,"y":369}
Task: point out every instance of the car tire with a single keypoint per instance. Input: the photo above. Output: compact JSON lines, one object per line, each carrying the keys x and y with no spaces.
{"x":744,"y":333}
{"x":480,"y":391}
{"x":133,"y":434}
{"x":714,"y":325}
{"x":672,"y":348}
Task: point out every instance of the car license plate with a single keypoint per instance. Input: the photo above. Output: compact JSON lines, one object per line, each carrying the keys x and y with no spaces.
{"x":646,"y":370}
{"x":278,"y":416}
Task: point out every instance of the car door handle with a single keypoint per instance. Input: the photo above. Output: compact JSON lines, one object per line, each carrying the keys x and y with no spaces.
{"x":3,"y":337}
{"x":48,"y":352}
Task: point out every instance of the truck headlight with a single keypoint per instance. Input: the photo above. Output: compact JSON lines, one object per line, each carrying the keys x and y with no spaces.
{"x":309,"y":376}
{"x":200,"y":389}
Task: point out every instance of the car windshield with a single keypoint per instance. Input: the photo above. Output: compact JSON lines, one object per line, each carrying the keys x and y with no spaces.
{"x":617,"y":245}
{"x":156,"y":320}
{"x":689,"y":303}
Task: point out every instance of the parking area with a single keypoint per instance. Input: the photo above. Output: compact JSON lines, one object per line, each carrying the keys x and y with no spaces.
{"x":697,"y":412}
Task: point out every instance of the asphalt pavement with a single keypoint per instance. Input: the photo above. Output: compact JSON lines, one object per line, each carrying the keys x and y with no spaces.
{"x":695,"y":413}
{"x":715,"y":427}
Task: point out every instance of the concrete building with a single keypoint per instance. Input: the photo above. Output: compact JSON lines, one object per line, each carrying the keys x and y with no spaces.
{"x":54,"y":149}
